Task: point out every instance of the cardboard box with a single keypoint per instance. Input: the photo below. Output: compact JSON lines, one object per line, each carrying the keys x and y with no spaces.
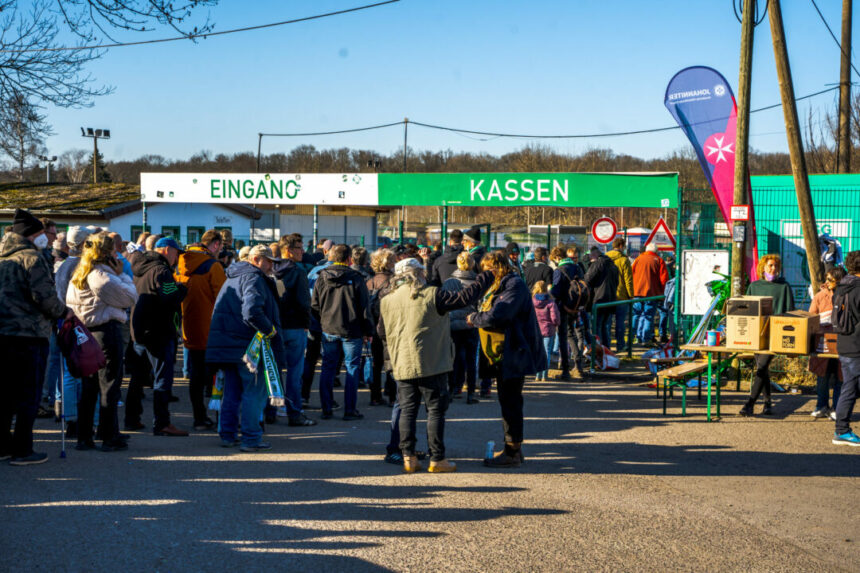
{"x":750,"y":306}
{"x":825,"y":342}
{"x":750,"y":332}
{"x":792,"y":333}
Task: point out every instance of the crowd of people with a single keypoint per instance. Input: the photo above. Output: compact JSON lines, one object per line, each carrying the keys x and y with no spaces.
{"x":431,"y":321}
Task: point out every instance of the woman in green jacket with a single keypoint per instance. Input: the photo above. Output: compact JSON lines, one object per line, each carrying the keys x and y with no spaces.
{"x":773,"y":285}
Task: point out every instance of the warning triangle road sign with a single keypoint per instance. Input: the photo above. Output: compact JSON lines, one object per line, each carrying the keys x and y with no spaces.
{"x":662,"y":236}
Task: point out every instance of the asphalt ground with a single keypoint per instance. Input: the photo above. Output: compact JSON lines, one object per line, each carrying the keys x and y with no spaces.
{"x":609,"y":484}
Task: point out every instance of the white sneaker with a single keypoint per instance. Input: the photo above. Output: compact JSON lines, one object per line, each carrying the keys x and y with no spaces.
{"x":832,"y":415}
{"x":819,"y":413}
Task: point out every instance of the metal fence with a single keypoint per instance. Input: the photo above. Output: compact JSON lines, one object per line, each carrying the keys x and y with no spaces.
{"x":778,"y":228}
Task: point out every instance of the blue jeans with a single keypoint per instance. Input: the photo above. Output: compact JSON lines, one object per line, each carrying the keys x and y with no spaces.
{"x":331,"y":349}
{"x":548,"y":343}
{"x":620,"y":326}
{"x":71,"y":395}
{"x":643,"y":320}
{"x":604,"y":320}
{"x":663,"y":323}
{"x":295,"y":342}
{"x":848,"y":394}
{"x":162,"y":359}
{"x":185,"y":362}
{"x":245,"y":396}
{"x":51,"y":387}
{"x":823,"y":385}
{"x":394,"y":441}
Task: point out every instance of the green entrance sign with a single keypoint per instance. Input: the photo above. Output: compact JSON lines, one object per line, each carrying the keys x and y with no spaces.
{"x":530,"y":189}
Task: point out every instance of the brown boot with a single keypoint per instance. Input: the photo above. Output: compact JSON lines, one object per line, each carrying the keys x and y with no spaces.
{"x":411,"y":464}
{"x":510,"y":457}
{"x":442,"y":466}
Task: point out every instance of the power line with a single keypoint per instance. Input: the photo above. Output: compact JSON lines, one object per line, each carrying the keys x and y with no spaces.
{"x":520,"y":135}
{"x":203,"y":35}
{"x":832,"y":35}
{"x":384,"y":125}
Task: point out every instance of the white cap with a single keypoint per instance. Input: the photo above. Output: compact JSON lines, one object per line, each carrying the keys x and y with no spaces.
{"x":76,"y":236}
{"x":406,"y":264}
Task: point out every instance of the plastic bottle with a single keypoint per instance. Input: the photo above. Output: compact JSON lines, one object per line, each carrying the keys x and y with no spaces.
{"x":490,"y":451}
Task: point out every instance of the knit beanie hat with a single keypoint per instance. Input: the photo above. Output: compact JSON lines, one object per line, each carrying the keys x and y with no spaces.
{"x":75,"y":239}
{"x":26,"y":224}
{"x":474,"y":234}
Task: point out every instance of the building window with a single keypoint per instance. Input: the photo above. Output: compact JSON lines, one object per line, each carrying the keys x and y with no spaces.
{"x":195,"y":234}
{"x":136,"y":230}
{"x":171,"y":232}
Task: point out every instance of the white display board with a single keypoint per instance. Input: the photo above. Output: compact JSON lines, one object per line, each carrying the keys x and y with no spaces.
{"x":698,"y":271}
{"x":260,"y":188}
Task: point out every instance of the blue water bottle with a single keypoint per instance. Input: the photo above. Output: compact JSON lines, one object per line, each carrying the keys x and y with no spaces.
{"x":488,"y":453}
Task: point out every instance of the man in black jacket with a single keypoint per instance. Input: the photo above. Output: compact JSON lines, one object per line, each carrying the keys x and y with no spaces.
{"x":472,"y":243}
{"x":602,"y":278}
{"x":573,"y":325}
{"x":294,"y":302}
{"x":341,"y":304}
{"x":537,"y":270}
{"x":155,"y":322}
{"x":446,"y":264}
{"x":846,"y":303}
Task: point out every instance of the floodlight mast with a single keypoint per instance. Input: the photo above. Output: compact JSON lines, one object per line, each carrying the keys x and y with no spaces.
{"x":96,"y":134}
{"x":48,"y":161}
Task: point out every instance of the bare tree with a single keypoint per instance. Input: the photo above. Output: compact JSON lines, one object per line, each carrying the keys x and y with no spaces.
{"x":35,"y":61}
{"x":74,"y":165}
{"x":22,"y":130}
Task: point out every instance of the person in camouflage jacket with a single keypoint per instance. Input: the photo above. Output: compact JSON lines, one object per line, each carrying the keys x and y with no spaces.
{"x":29,"y":305}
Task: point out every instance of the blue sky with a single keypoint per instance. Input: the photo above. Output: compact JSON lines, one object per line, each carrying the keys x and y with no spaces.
{"x":545,"y":67}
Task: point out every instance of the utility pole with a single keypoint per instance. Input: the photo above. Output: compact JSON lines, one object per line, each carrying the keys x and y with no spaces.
{"x":844,"y":145}
{"x":403,"y":212}
{"x":795,"y":148}
{"x":742,"y":139}
{"x":259,"y":148}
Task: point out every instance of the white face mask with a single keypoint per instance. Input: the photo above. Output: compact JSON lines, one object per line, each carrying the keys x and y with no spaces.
{"x":41,"y":241}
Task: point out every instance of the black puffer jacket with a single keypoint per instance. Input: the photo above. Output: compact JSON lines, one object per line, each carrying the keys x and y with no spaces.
{"x":445,"y":265}
{"x":534,"y":271}
{"x":460,"y":280}
{"x":602,"y":278}
{"x":341,"y":303}
{"x":294,"y":302}
{"x":156,"y":317}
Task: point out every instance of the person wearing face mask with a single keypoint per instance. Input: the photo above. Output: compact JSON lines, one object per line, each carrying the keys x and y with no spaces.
{"x":773,"y":285}
{"x":246,"y":305}
{"x":29,"y":307}
{"x":155,"y":320}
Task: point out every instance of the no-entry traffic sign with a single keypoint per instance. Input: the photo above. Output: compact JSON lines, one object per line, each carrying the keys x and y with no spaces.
{"x":604,"y":230}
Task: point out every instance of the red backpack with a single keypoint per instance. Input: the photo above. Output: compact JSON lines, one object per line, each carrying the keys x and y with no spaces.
{"x":84,"y":356}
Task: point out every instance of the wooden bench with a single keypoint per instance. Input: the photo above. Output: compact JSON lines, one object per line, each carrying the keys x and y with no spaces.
{"x":678,"y":375}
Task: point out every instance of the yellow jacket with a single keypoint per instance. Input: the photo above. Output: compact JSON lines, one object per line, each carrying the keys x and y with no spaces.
{"x":625,"y":275}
